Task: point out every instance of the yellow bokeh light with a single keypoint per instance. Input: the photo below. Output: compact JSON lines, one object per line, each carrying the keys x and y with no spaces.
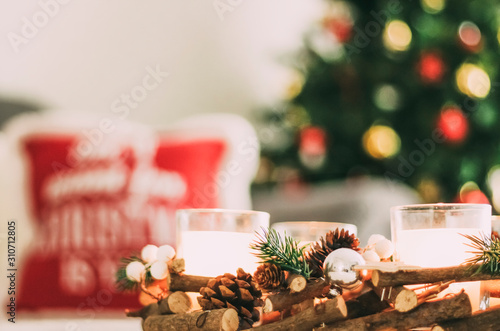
{"x":429,"y":190}
{"x":294,"y":87}
{"x":397,"y":36}
{"x":498,"y":35}
{"x":433,"y":6}
{"x":381,"y":142}
{"x":387,"y":98}
{"x":473,"y":81}
{"x":297,"y":117}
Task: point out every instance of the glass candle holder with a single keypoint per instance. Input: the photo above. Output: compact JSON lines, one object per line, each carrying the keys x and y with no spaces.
{"x":431,"y":236}
{"x":310,"y":231}
{"x":490,"y":290}
{"x":215,"y":241}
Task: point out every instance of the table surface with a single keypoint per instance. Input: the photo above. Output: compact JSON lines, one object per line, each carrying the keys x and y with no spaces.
{"x":68,"y":324}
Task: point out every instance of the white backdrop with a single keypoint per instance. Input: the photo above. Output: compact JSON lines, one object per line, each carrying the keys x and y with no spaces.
{"x":85,"y":55}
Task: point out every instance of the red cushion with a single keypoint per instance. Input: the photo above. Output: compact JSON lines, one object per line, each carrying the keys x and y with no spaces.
{"x":89,"y":215}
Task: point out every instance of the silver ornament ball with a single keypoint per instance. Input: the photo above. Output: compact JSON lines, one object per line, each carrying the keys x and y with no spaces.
{"x":338,"y":268}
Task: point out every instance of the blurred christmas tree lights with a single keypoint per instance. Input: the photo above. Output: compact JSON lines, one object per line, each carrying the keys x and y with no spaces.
{"x":402,"y":90}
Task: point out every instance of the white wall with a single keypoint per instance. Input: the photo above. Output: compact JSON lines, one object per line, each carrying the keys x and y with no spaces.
{"x":90,"y":52}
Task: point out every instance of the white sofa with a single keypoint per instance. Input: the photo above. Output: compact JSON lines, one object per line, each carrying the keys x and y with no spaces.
{"x":233,"y":179}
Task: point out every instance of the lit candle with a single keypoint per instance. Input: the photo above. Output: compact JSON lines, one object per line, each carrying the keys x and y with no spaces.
{"x":441,"y":248}
{"x":435,"y":248}
{"x":431,"y":236}
{"x":211,"y":253}
{"x":216,"y":241}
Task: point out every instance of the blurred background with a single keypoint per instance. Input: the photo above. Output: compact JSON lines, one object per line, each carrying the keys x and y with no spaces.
{"x":85,"y":55}
{"x":333,"y":88}
{"x":356,"y":105}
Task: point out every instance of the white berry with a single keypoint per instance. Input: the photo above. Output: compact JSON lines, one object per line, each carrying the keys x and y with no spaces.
{"x":384,"y":248}
{"x":159,"y":270}
{"x":371,"y":256}
{"x":135,"y":271}
{"x":375,"y":238}
{"x":165,"y":253}
{"x":148,"y":253}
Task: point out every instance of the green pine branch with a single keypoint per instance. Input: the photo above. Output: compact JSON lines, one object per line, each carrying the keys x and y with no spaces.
{"x":284,"y":252}
{"x":487,"y":253}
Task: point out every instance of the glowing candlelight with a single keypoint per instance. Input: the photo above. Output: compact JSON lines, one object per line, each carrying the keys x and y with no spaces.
{"x":434,"y":248}
{"x":215,"y":241}
{"x":212,"y":253}
{"x":431,"y":236}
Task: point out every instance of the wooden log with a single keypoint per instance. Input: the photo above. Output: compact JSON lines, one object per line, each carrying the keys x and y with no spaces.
{"x":274,"y":316}
{"x":271,"y":317}
{"x":367,"y":303}
{"x":215,"y":320}
{"x":485,"y":320}
{"x":427,"y":314}
{"x":432,"y":275}
{"x":285,"y":300}
{"x":175,"y":303}
{"x":308,"y":303}
{"x":187,"y":283}
{"x":404,"y":300}
{"x":432,"y":291}
{"x":329,"y":311}
{"x":353,"y":325}
{"x":296,"y":283}
{"x":400,"y":297}
{"x":177,"y":266}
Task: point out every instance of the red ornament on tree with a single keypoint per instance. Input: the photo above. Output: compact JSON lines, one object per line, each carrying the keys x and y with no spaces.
{"x":475,"y":196}
{"x":469,"y":36}
{"x":431,"y":68}
{"x":338,"y":21}
{"x":341,"y":28}
{"x":312,"y":140}
{"x":312,"y":146}
{"x":453,"y":123}
{"x":470,"y":193}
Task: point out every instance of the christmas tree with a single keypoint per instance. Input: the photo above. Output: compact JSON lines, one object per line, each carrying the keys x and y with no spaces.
{"x":400,"y":89}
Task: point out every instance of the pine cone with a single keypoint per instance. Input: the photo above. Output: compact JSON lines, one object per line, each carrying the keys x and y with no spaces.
{"x":268,"y":276}
{"x":318,"y":251}
{"x":238,"y":292}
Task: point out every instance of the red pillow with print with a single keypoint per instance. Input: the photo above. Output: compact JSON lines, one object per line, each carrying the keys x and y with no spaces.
{"x":88,"y":214}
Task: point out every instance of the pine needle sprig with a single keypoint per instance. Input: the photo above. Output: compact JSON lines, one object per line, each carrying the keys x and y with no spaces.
{"x":486,"y":253}
{"x":123,"y":283}
{"x":283,"y":252}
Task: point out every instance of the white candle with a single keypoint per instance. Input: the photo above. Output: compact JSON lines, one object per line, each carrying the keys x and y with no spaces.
{"x":434,"y":248}
{"x":213,"y":253}
{"x":445,"y":247}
